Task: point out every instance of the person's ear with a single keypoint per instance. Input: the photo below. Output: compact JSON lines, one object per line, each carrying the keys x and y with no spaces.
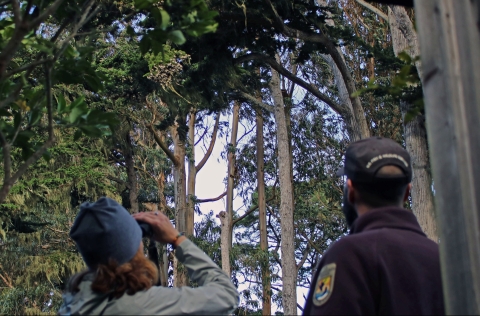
{"x":407,"y":192}
{"x":351,"y":192}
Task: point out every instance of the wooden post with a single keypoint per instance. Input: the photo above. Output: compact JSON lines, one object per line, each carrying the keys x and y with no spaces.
{"x":449,"y":34}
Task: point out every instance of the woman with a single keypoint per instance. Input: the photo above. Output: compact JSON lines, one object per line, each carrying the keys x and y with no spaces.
{"x":120,"y":280}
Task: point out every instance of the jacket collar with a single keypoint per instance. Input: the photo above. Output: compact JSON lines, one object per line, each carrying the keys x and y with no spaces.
{"x":387,"y":217}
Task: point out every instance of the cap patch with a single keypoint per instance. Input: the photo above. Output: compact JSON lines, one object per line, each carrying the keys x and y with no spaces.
{"x":324,"y":285}
{"x":384,"y":156}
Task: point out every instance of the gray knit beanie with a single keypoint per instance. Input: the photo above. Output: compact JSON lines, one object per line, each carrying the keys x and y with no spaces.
{"x":104,"y":230}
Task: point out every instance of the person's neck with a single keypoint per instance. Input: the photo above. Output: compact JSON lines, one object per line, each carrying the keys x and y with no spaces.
{"x":363,"y":209}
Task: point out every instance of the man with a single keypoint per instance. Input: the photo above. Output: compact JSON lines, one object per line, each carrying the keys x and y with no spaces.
{"x":386,"y":265}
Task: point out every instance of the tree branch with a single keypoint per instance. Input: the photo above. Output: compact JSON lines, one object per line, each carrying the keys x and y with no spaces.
{"x":339,"y":61}
{"x":119,"y":181}
{"x":280,"y":69}
{"x":16,"y":13}
{"x":252,"y":208}
{"x":164,"y":147}
{"x":7,"y":159}
{"x":27,"y":67}
{"x":301,"y":233}
{"x":121,"y":163}
{"x":375,"y":10}
{"x":84,"y":18}
{"x":300,"y":307}
{"x":44,"y":15}
{"x":210,"y":147}
{"x":214,"y":199}
{"x":23,"y":168}
{"x":254,"y":101}
{"x":304,"y":257}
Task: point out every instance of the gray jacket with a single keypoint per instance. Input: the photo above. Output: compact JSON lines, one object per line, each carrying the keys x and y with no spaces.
{"x":215,"y":294}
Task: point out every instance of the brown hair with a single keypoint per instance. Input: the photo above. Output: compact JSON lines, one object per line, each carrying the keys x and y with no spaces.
{"x":138,"y":274}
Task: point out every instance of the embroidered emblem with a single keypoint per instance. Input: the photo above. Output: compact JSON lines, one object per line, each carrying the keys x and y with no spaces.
{"x":324,"y":285}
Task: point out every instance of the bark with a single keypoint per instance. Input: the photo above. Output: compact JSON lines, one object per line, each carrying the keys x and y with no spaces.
{"x":353,"y":129}
{"x":192,"y":176}
{"x":415,"y":133}
{"x":131,"y":174}
{"x":373,"y":9}
{"x":289,"y":277}
{"x":178,"y":160}
{"x":449,"y":33}
{"x":227,"y":218}
{"x":262,"y":210}
{"x":163,"y":259}
{"x":180,"y":189}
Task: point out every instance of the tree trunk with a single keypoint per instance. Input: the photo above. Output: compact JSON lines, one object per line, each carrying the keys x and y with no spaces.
{"x":449,"y":33}
{"x":162,"y":206}
{"x":226,"y":219}
{"x":354,"y":130}
{"x":180,"y":189}
{"x":289,"y":277}
{"x":192,"y":175}
{"x":414,"y":130}
{"x":131,"y":174}
{"x":262,"y":214}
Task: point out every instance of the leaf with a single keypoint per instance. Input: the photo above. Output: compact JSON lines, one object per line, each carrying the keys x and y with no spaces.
{"x":76,"y":112}
{"x":35,"y":98}
{"x":70,"y":52}
{"x":77,"y":102}
{"x":404,"y":56}
{"x":47,"y":156}
{"x":165,"y":19}
{"x":130,"y":30}
{"x":157,"y":47}
{"x":22,"y":104}
{"x":177,"y":37}
{"x":91,"y":131}
{"x":145,"y":44}
{"x":142,"y":4}
{"x":61,"y":103}
{"x":35,"y":116}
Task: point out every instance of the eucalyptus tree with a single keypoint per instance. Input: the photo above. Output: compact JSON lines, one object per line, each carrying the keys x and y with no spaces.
{"x":395,"y":91}
{"x":404,"y":39}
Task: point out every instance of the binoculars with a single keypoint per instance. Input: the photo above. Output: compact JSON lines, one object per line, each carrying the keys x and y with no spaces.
{"x":147,"y":230}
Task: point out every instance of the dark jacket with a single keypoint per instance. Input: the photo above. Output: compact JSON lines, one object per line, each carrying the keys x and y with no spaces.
{"x":385,"y":266}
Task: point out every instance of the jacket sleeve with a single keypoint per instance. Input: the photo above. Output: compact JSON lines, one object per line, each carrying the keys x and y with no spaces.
{"x":215,"y":294}
{"x":343,"y":283}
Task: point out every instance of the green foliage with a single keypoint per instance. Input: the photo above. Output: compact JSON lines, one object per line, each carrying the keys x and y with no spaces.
{"x":404,"y":86}
{"x":171,"y":20}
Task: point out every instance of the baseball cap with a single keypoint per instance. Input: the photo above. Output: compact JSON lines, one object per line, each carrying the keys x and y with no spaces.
{"x":365,"y":157}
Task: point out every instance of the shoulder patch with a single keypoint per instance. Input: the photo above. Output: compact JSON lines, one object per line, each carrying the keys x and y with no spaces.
{"x":324,"y":284}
